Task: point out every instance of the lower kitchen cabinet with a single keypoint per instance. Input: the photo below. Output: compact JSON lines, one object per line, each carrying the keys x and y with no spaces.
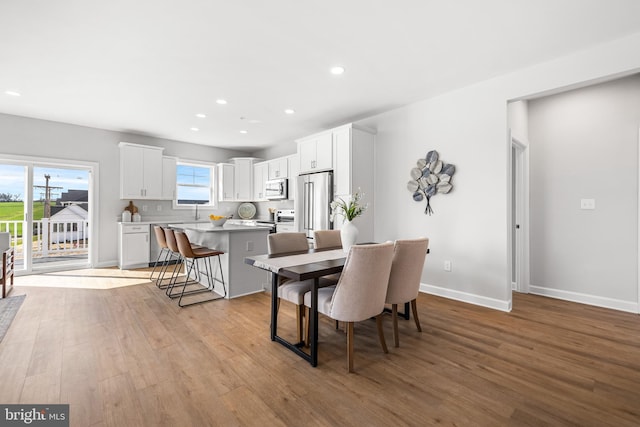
{"x":133,"y":245}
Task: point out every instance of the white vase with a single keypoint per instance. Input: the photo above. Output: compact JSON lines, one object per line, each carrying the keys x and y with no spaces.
{"x":348,"y":235}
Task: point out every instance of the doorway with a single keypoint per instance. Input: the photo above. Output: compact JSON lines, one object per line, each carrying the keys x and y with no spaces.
{"x":519,"y":217}
{"x":47,"y":209}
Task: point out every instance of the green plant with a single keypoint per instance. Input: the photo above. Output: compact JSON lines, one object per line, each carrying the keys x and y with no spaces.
{"x":349,"y":210}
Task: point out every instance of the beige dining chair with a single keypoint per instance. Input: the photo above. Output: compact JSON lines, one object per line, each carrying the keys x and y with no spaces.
{"x":360,"y":293}
{"x":327,"y":239}
{"x":290,"y":290}
{"x":404,"y":280}
{"x":324,"y":239}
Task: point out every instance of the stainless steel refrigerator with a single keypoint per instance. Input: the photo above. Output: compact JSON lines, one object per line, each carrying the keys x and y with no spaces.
{"x":315,"y":193}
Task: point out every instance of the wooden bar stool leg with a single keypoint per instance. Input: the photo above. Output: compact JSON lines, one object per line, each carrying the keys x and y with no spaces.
{"x":383,"y":343}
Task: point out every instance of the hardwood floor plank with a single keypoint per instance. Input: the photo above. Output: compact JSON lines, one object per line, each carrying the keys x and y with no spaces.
{"x":127,"y":355}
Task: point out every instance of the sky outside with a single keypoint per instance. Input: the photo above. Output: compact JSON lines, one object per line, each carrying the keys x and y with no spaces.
{"x":13,"y":178}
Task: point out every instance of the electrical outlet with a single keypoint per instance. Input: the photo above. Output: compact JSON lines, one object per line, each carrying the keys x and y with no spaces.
{"x":587,"y":204}
{"x":249,"y":246}
{"x":159,"y":208}
{"x":144,"y":208}
{"x":447,"y":265}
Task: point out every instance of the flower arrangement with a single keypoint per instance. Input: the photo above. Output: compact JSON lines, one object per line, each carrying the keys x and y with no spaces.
{"x":349,"y":210}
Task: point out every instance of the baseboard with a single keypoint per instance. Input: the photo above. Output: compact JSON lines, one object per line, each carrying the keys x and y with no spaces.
{"x":615,"y":304}
{"x":466,"y":297}
{"x":106,"y":264}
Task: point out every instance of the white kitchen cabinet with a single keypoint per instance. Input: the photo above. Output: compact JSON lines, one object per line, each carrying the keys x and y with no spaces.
{"x":140,"y":171}
{"x":353,"y":171}
{"x":235,"y":180}
{"x":243,"y":178}
{"x":169,"y":165}
{"x":260,"y":176}
{"x":133,"y":245}
{"x":225,"y":182}
{"x":293,"y":175}
{"x":279,"y":168}
{"x":315,"y":152}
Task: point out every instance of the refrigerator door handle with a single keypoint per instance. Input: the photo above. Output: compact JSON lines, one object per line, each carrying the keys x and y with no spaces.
{"x":312,"y":207}
{"x":305,"y":203}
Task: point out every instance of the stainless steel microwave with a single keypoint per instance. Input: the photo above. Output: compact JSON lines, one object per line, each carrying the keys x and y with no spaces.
{"x":276,"y":189}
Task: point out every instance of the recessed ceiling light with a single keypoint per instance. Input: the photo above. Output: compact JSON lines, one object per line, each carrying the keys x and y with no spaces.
{"x":243,"y":131}
{"x":195,"y":129}
{"x":12,"y":93}
{"x":201,"y":116}
{"x":289,"y":111}
{"x":337,"y":70}
{"x":221,"y":101}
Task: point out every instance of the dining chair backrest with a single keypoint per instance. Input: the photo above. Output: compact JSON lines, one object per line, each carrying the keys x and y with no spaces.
{"x":184,"y":245}
{"x":279,"y":243}
{"x":170,"y":238}
{"x":406,"y":270}
{"x":327,"y":239}
{"x":160,"y":237}
{"x":362,"y":287}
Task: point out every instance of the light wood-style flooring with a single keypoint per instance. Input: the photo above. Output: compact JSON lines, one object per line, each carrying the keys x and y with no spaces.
{"x":128,"y":356}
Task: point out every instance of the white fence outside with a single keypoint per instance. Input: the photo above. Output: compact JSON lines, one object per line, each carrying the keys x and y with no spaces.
{"x":49,"y":238}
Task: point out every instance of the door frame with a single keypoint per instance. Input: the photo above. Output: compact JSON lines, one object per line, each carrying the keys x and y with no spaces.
{"x":93,"y":167}
{"x":520,"y":167}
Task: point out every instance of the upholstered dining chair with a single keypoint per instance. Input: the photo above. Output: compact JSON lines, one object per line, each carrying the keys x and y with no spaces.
{"x":290,"y":290}
{"x":404,"y":280}
{"x":327,"y":239}
{"x":360,"y":292}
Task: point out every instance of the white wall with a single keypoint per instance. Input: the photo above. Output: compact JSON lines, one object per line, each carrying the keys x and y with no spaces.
{"x":469,"y":129}
{"x":22,"y":136}
{"x":584,"y":145}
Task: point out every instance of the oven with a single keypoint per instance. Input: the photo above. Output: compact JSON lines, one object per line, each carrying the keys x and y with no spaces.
{"x":285,"y":221}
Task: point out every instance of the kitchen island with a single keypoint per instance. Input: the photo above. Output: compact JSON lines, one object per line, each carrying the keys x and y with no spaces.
{"x":237,"y":242}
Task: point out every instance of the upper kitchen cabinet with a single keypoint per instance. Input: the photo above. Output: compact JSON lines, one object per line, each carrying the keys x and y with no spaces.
{"x":315,"y":152}
{"x":169,"y":166}
{"x":279,"y":168}
{"x":140,"y":171}
{"x":260,"y":176}
{"x":235,"y":180}
{"x":225,"y":182}
{"x":243,"y":178}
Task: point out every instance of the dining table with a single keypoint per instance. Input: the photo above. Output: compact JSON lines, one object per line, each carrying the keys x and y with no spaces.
{"x":300,"y":266}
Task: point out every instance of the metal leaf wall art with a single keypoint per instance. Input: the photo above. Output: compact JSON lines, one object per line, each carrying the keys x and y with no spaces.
{"x":431,"y":176}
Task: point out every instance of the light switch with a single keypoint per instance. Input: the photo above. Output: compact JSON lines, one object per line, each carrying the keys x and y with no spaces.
{"x":588,"y":204}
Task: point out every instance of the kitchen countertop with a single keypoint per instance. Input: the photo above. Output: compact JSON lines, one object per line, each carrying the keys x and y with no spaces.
{"x":210,"y":228}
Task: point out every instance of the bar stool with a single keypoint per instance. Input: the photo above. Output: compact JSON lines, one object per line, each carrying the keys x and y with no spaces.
{"x":190,"y":257}
{"x":164,"y":257}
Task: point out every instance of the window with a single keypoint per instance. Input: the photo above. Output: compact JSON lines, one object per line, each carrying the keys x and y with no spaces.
{"x":194,"y":184}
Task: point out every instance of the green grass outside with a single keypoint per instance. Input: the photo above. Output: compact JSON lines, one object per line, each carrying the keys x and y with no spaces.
{"x":14,"y":211}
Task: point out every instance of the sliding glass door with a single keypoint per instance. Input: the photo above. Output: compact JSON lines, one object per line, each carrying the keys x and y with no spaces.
{"x":46,"y":209}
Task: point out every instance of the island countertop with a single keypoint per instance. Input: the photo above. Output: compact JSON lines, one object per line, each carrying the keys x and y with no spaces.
{"x":236,"y":242}
{"x":210,"y":228}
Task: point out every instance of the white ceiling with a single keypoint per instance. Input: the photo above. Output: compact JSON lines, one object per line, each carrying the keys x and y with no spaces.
{"x":148,"y":66}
